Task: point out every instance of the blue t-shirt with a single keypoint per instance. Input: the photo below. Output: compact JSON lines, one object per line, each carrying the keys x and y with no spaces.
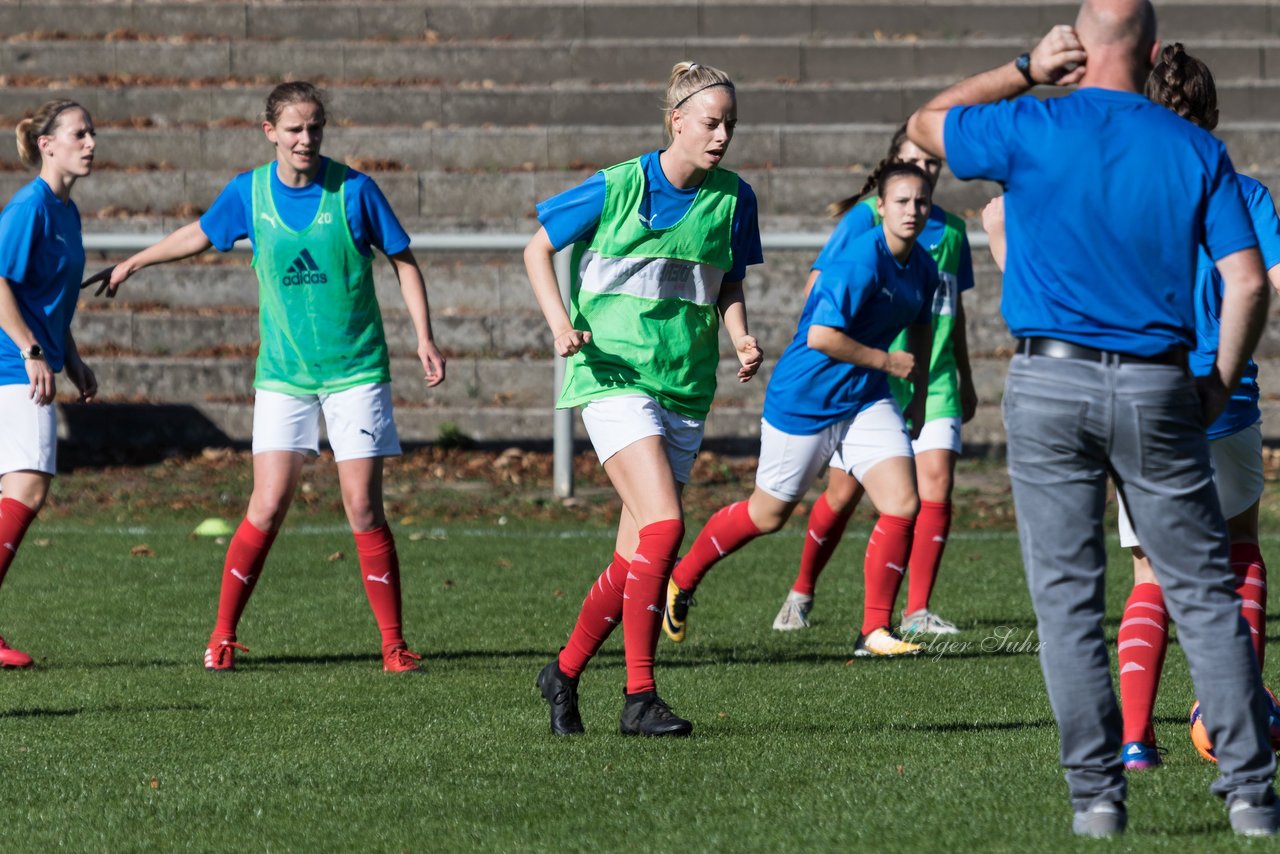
{"x":1242,"y":411}
{"x":868,"y":296}
{"x":42,"y":258}
{"x":1107,"y":198}
{"x":573,"y":215}
{"x":373,"y":223}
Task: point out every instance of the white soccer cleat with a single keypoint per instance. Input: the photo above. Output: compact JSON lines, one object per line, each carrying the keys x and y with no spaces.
{"x":794,"y":614}
{"x":925,"y":622}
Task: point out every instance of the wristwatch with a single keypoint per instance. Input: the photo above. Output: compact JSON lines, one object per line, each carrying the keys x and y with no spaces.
{"x":32,"y":353}
{"x":1023,"y":64}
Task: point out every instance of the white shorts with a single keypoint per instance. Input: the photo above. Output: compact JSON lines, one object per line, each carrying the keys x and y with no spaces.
{"x":940,"y":434}
{"x":1237,"y":473}
{"x":789,"y":464}
{"x":358,"y":421}
{"x":28,"y":432}
{"x":613,"y":423}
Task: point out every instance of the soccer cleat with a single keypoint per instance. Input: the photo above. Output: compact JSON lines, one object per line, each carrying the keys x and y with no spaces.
{"x":1254,"y":819}
{"x":925,"y":622}
{"x":561,"y":693}
{"x":1106,"y":818}
{"x":885,"y":643}
{"x":676,"y":615}
{"x":1139,"y":756}
{"x":794,"y":614}
{"x":10,"y":657}
{"x":646,"y":714}
{"x":399,"y":659}
{"x":220,"y":655}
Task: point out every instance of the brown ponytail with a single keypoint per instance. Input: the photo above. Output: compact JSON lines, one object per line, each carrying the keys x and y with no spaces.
{"x":42,"y":123}
{"x":1185,"y":85}
{"x":835,"y":210}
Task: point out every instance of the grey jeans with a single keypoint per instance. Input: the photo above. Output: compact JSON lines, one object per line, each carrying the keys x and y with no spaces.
{"x":1070,"y":424}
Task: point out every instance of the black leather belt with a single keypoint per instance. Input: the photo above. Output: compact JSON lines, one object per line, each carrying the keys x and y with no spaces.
{"x":1054,"y":348}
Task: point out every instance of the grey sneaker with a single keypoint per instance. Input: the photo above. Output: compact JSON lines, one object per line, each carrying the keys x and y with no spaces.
{"x":925,"y":622}
{"x":1254,"y":819}
{"x":794,"y":614}
{"x":1105,"y":818}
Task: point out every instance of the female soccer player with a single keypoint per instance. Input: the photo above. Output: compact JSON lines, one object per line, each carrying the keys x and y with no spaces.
{"x":314,"y":223}
{"x":1185,"y":85}
{"x":829,"y":403}
{"x":660,"y":244}
{"x":41,"y":263}
{"x":951,"y":402}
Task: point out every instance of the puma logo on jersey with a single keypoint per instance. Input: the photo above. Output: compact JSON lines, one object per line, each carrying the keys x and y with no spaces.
{"x":246,"y":580}
{"x":384,"y":579}
{"x":887,"y":293}
{"x":304,"y":271}
{"x":647,"y":220}
{"x":269,"y":218}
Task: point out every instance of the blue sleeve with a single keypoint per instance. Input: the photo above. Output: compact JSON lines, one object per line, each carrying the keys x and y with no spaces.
{"x":1227,"y":227}
{"x":1262,"y":210}
{"x":228,"y":219}
{"x":745,"y":241}
{"x":19,"y":229}
{"x":373,"y":222}
{"x":573,"y":214}
{"x":838,"y":293}
{"x":964,"y":275}
{"x":856,"y":222}
{"x":978,"y":140}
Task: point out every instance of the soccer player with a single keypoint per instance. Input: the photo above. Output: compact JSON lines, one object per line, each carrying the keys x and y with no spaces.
{"x":314,"y":223}
{"x":41,"y":263}
{"x":1099,"y":289}
{"x":661,"y":243}
{"x":951,"y":402}
{"x":829,"y":404}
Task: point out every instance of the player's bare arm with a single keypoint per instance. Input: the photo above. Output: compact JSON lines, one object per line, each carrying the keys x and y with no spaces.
{"x":920,"y":345}
{"x":43,"y":385}
{"x":414,"y":291}
{"x":733,"y":309}
{"x":183,"y":243}
{"x":1244,"y":314}
{"x":539,"y":263}
{"x":834,"y":343}
{"x":80,"y":374}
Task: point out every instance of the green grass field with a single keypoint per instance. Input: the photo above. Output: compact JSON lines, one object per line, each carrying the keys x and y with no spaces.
{"x":118,"y":739}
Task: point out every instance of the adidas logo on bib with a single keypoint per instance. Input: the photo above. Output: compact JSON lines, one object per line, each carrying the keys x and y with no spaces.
{"x":304,"y":271}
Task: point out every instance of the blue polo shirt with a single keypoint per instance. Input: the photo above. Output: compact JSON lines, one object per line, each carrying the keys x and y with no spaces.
{"x":1242,"y":411}
{"x":573,"y":215}
{"x":373,"y":223}
{"x":868,"y":296}
{"x":1108,"y":198}
{"x":42,"y":259}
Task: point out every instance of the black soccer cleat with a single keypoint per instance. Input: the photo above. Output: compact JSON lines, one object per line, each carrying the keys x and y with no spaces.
{"x":646,"y":714}
{"x":561,"y":693}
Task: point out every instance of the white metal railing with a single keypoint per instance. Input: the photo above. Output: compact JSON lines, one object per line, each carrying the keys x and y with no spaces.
{"x":562,"y":421}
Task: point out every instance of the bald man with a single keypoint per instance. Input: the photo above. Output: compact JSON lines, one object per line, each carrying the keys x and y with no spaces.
{"x":1107,"y":197}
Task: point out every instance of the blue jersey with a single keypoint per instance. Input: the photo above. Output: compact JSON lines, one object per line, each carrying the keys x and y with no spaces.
{"x":1108,"y":198}
{"x":373,"y":223}
{"x":1242,"y":411}
{"x":860,"y":219}
{"x":42,"y":258}
{"x":871,"y":298}
{"x":572,"y":216}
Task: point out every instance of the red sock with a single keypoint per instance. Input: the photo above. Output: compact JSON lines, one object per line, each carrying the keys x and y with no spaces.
{"x":15,"y":518}
{"x":887,"y":551}
{"x":1251,"y":584}
{"x":380,"y":571}
{"x":600,"y":615}
{"x":930,"y":538}
{"x":826,"y":528}
{"x":642,"y":599}
{"x":245,"y":558}
{"x":1140,"y":647}
{"x":729,"y":529}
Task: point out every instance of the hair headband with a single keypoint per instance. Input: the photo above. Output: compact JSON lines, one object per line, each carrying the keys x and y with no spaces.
{"x":703,"y":89}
